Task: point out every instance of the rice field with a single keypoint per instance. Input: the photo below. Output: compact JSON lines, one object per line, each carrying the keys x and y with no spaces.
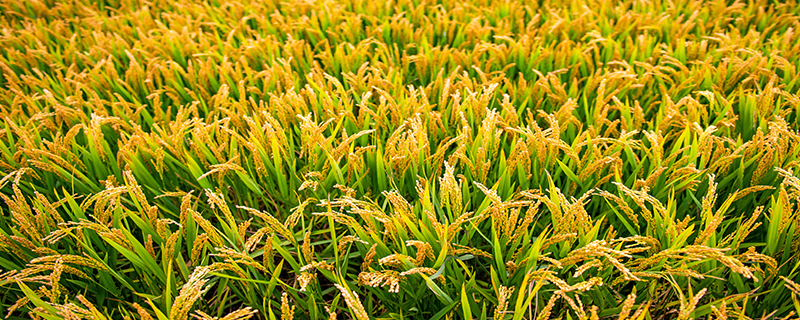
{"x":403,"y":159}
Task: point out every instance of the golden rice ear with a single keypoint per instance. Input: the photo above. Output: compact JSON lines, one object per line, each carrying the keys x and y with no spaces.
{"x":190,"y":292}
{"x":503,"y":298}
{"x":353,"y":302}
{"x":287,"y":311}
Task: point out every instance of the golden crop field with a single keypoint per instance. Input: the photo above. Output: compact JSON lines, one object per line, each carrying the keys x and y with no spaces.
{"x":403,"y":159}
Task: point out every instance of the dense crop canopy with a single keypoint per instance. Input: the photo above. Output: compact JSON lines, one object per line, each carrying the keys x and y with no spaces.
{"x":475,"y":159}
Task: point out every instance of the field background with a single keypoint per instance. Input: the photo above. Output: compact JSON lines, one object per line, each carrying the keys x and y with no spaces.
{"x":410,"y":159}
